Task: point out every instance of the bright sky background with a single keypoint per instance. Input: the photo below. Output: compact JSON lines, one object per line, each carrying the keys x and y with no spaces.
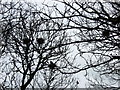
{"x":82,"y":80}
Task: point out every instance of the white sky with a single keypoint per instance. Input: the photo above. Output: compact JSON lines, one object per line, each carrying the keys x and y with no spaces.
{"x":80,"y":76}
{"x":82,"y":80}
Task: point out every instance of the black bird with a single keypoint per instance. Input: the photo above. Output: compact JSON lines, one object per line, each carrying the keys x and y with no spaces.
{"x":117,"y":44}
{"x":77,"y":82}
{"x":40,"y":40}
{"x":52,"y":65}
{"x":106,"y":33}
{"x":116,"y":57}
{"x":115,"y":20}
{"x":26,"y":41}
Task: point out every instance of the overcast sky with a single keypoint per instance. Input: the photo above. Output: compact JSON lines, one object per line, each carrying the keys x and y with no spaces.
{"x":80,"y":76}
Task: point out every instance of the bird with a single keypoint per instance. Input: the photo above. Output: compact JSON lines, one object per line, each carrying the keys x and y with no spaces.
{"x":106,"y":33}
{"x":115,"y":20}
{"x":116,"y":57}
{"x":40,"y":40}
{"x":117,"y":44}
{"x":26,"y":41}
{"x":77,"y":82}
{"x":52,"y":65}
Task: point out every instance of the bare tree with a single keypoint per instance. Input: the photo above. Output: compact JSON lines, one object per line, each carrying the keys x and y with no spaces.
{"x":32,"y":42}
{"x":52,"y":80}
{"x":97,"y":34}
{"x":40,"y":39}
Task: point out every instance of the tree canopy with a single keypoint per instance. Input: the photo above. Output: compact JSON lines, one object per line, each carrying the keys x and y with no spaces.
{"x":98,"y":34}
{"x":38,"y":39}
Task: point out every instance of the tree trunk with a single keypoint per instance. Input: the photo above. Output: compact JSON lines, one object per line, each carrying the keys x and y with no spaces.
{"x":23,"y":87}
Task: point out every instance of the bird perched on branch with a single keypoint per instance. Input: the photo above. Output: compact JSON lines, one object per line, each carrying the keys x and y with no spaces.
{"x":40,"y":40}
{"x":52,"y":65}
{"x":106,"y":33}
{"x":77,"y":82}
{"x":26,"y":41}
{"x":115,"y":20}
{"x":116,"y":57}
